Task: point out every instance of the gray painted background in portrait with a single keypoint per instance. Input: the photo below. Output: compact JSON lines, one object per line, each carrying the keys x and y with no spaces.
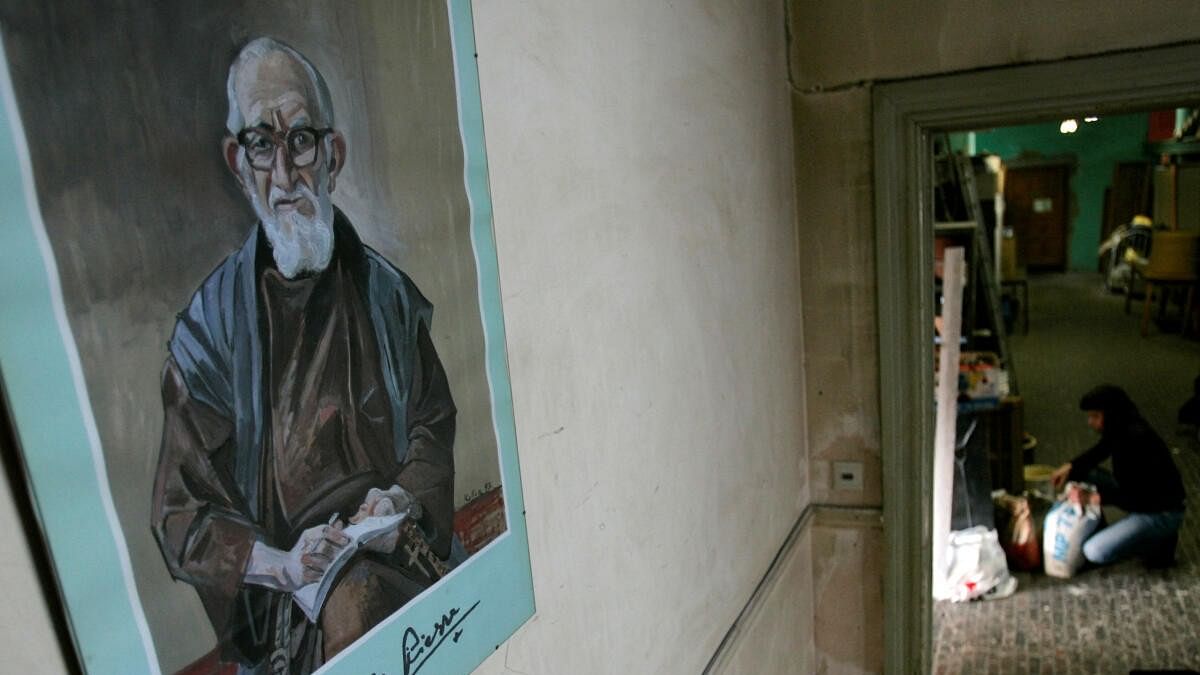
{"x":123,"y":105}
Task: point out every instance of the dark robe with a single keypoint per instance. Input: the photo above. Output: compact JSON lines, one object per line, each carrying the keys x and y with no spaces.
{"x":285,"y":401}
{"x":1148,"y":480}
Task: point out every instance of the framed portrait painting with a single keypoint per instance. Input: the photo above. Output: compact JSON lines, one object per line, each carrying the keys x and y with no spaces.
{"x":252,"y":344}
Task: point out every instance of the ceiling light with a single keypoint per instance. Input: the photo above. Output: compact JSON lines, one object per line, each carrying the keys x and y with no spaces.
{"x":1090,"y":119}
{"x":1068,"y":126}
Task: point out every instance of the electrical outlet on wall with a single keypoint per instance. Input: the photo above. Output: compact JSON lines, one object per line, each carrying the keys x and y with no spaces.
{"x":848,"y":476}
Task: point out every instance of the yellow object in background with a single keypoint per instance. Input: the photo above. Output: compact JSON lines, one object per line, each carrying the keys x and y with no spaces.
{"x":1172,"y":255}
{"x":1008,"y":258}
{"x":1037,"y":480}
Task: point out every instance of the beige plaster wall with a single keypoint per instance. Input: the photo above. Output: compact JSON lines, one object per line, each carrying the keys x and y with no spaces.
{"x":838,"y":43}
{"x":837,"y":270}
{"x":776,"y":633}
{"x":27,"y":637}
{"x":838,"y":51}
{"x":641,"y":173}
{"x":847,"y":553}
{"x":833,"y":177}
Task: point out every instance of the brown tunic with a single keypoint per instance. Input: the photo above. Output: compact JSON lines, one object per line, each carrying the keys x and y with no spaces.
{"x":328,"y":440}
{"x":324,"y":392}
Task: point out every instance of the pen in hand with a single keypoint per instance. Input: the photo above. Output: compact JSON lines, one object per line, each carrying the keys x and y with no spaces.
{"x":334,"y":522}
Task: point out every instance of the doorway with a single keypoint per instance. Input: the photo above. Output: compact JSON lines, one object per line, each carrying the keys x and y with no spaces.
{"x":1081,"y":336}
{"x":906,"y":115}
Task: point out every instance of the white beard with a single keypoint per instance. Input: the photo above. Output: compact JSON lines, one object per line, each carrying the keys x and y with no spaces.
{"x":299,"y":243}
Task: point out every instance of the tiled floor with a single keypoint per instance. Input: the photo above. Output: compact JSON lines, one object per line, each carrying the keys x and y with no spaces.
{"x":1110,"y":620}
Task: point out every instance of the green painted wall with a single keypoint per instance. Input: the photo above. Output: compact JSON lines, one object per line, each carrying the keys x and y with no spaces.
{"x":962,"y":141}
{"x":1097,"y":147}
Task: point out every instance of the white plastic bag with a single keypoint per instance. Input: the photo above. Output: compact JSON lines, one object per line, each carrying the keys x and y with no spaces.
{"x":976,"y":566}
{"x":1068,"y":524}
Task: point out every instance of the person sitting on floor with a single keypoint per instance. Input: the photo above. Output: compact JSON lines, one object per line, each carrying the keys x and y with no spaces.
{"x":1144,"y":482}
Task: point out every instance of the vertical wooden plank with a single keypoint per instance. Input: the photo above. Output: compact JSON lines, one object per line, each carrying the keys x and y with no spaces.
{"x":953,"y":272}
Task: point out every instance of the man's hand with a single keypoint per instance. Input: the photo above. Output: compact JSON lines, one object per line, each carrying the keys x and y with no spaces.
{"x":1059,"y":477}
{"x":384,"y":503}
{"x":289,"y":571}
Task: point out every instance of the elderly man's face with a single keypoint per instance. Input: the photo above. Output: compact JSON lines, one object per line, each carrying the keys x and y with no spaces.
{"x":286,"y":158}
{"x":275,"y":96}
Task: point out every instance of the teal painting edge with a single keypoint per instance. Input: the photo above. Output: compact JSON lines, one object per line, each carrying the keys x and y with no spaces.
{"x":491,"y":301}
{"x":487,"y":265}
{"x":55,"y":432}
{"x":491,"y":595}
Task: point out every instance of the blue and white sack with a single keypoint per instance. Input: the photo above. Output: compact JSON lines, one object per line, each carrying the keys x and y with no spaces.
{"x":1069,"y":523}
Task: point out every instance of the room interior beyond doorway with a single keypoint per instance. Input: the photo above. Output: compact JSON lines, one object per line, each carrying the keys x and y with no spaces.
{"x":1059,"y":359}
{"x":906,"y":114}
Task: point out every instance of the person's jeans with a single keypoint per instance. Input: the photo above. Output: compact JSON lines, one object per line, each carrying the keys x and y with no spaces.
{"x":1135,"y":534}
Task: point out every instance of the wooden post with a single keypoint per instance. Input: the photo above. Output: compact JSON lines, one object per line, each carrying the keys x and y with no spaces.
{"x":953,"y":272}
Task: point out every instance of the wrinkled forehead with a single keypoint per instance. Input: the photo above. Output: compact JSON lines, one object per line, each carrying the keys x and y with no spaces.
{"x":275,"y":89}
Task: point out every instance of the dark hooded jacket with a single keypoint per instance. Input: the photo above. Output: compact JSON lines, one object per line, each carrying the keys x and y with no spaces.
{"x":1148,"y":479}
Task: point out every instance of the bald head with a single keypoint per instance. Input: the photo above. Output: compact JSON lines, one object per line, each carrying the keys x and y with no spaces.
{"x":269,"y":75}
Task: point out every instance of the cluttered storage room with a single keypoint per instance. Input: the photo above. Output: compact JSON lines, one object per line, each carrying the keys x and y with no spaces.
{"x":1067,"y":336}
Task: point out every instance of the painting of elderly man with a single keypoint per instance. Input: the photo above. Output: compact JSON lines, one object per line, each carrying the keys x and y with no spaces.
{"x":301,"y":391}
{"x":286,"y":323}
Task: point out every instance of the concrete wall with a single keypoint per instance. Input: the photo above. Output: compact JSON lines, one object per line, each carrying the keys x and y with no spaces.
{"x":833,"y":149}
{"x":859,"y":41}
{"x":838,"y":52}
{"x":641,"y":171}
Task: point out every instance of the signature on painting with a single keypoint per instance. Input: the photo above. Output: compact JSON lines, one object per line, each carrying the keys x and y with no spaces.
{"x":419,"y":646}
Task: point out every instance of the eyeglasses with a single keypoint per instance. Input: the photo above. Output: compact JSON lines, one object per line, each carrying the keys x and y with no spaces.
{"x":300,"y":143}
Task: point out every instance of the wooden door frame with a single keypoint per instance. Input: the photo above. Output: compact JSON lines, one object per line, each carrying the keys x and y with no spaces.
{"x":906,"y":114}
